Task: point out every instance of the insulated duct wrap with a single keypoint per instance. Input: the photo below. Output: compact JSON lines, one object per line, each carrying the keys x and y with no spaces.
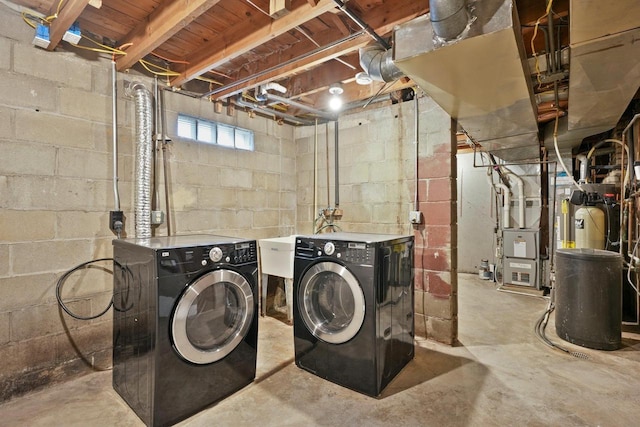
{"x":144,"y":158}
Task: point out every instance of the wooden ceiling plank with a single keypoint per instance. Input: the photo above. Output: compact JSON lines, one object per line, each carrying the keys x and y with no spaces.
{"x":165,"y":21}
{"x":67,"y":16}
{"x":382,"y":19}
{"x":213,"y":54}
{"x":297,"y":66}
{"x":340,"y":25}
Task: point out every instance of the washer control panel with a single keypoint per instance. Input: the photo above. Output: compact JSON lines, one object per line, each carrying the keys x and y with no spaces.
{"x":354,"y":252}
{"x":234,"y":253}
{"x":191,"y":259}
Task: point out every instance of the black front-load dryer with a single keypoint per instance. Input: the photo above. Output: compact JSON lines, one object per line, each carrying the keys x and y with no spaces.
{"x":185,"y":323}
{"x":353,"y":311}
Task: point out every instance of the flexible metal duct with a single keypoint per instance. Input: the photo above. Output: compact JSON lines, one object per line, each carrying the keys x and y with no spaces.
{"x":448,"y":17}
{"x":144,"y":157}
{"x":378,"y":64}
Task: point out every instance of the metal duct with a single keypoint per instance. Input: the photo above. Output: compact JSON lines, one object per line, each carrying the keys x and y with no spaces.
{"x":144,"y":157}
{"x":605,"y":71}
{"x":482,"y":80}
{"x":448,"y":17}
{"x":378,"y":64}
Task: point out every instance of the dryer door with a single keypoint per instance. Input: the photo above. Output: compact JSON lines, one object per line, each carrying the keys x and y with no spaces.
{"x":212,"y":316}
{"x":331,"y":302}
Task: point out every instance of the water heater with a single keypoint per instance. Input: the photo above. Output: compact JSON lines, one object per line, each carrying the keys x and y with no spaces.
{"x":589,"y":228}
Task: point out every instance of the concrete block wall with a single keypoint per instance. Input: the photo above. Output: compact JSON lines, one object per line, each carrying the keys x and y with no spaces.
{"x":376,"y":170}
{"x":56,"y":192}
{"x":436,"y":256}
{"x":377,"y":187}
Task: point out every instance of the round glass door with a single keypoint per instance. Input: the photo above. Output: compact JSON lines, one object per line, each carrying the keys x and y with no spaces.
{"x":331,"y":302}
{"x":212,"y":316}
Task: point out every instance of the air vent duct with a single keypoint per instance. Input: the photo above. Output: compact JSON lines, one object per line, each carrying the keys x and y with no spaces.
{"x":481,"y":80}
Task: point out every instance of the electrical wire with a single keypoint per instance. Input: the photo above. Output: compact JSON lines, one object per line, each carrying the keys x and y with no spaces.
{"x":66,"y":275}
{"x":26,"y":18}
{"x":51,"y":18}
{"x":533,"y":38}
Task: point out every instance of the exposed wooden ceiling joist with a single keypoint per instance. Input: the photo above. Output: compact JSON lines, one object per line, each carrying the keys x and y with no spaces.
{"x":64,"y":20}
{"x":217,"y":51}
{"x":164,"y":22}
{"x":382,"y":19}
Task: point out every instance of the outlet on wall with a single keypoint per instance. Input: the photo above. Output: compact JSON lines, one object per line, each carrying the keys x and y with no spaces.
{"x":415,"y":217}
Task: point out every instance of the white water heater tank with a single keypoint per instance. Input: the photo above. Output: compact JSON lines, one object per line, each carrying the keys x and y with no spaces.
{"x":590,"y":228}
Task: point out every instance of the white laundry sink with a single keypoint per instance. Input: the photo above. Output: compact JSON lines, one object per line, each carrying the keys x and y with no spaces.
{"x":276,"y":256}
{"x":276,"y":259}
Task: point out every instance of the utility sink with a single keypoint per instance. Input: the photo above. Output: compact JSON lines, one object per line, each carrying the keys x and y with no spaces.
{"x":276,"y":259}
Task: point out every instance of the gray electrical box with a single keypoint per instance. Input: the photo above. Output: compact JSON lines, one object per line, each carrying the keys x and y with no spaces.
{"x":522,"y":243}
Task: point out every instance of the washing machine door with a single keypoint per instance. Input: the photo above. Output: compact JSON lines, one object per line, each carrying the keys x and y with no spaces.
{"x":331,"y":302}
{"x":212,"y":316}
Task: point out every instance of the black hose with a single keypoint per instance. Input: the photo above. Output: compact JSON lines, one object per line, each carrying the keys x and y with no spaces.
{"x":66,"y":275}
{"x":541,"y":325}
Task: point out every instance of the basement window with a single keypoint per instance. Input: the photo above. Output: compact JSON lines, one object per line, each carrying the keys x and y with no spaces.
{"x":215,"y":133}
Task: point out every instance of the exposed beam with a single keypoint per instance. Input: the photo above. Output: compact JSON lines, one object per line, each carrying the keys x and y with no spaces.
{"x":217,"y":51}
{"x":320,"y":78}
{"x":301,"y":65}
{"x":67,"y":16}
{"x":340,"y":25}
{"x":165,"y":21}
{"x":382,"y":19}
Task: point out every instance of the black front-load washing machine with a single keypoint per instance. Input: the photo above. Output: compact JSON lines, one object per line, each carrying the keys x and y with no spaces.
{"x":185,"y":323}
{"x":353,"y":311}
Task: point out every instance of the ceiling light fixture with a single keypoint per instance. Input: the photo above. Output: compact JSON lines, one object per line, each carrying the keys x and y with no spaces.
{"x":363,"y":78}
{"x":335,"y":102}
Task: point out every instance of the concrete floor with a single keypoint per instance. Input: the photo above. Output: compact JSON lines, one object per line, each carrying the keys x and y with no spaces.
{"x":500,"y":374}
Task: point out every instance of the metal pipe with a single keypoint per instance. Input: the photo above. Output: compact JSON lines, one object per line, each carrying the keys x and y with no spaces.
{"x":336,"y":165}
{"x":366,"y":28}
{"x":315,"y":178}
{"x":165,"y":160}
{"x":114,"y":134}
{"x":448,"y":17}
{"x":143,"y":126}
{"x":552,"y":43}
{"x":282,"y":64}
{"x":417,"y":152}
{"x":155,"y":200}
{"x":300,"y":105}
{"x":326,"y":147}
{"x":293,"y":119}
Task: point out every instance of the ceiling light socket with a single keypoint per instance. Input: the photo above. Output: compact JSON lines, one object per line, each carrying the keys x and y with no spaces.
{"x":363,"y":78}
{"x":336,"y":89}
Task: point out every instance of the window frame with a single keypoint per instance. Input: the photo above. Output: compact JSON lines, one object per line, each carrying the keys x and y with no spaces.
{"x":243,"y":139}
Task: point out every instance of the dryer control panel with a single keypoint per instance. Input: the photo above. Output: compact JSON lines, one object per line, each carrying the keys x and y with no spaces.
{"x":353,"y":252}
{"x":192,"y":259}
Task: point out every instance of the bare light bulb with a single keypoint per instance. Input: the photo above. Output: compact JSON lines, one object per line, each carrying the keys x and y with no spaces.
{"x":335,"y":103}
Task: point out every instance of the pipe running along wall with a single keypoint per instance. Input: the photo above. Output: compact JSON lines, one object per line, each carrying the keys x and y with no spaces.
{"x":521,"y":199}
{"x":506,"y":202}
{"x":144,"y":158}
{"x":336,"y":164}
